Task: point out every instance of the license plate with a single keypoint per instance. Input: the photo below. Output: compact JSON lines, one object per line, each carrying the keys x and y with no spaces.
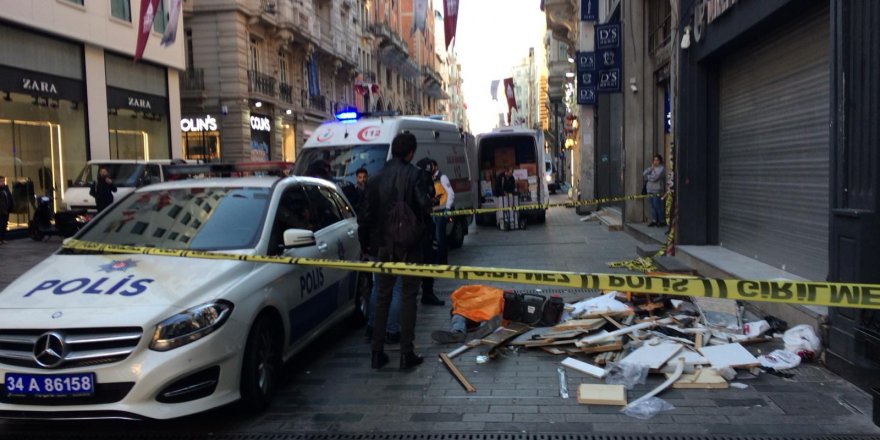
{"x":50,"y":385}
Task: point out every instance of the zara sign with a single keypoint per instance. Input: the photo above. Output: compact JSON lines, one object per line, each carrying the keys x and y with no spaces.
{"x":260,"y":123}
{"x":208,"y":123}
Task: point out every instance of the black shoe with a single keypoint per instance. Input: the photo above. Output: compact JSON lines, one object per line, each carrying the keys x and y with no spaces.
{"x":652,"y":224}
{"x":409,"y":360}
{"x":447,"y":337}
{"x":392,"y":338}
{"x":429,"y":299}
{"x":379,"y":360}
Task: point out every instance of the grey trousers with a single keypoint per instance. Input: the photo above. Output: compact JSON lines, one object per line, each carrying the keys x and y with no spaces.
{"x":409,"y":291}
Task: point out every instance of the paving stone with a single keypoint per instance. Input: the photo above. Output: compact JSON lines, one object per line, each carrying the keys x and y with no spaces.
{"x":338,"y":417}
{"x":435,"y":417}
{"x":514,"y":409}
{"x":468,"y":417}
{"x":541,"y":418}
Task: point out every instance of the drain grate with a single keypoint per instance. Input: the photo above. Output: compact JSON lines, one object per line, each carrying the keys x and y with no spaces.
{"x":419,"y":436}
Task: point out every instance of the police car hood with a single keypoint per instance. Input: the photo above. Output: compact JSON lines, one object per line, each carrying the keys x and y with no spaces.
{"x":120,"y":285}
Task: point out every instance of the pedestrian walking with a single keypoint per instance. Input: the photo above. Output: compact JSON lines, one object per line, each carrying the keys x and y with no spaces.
{"x":654,"y":187}
{"x":430,"y":245}
{"x":102,"y":190}
{"x":393,"y":225}
{"x":7,"y":205}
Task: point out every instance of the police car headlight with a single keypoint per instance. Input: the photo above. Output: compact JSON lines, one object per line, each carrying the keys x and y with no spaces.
{"x":190,"y":325}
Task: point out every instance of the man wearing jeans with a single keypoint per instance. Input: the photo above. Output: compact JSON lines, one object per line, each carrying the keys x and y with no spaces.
{"x":654,"y":186}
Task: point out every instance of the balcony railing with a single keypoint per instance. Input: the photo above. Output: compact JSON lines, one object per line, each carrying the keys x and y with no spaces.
{"x":285,"y":92}
{"x":260,"y":83}
{"x":193,"y":80}
{"x":318,"y":103}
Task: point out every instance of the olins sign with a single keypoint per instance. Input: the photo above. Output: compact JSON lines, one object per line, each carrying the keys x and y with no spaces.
{"x":260,"y":123}
{"x":208,"y":123}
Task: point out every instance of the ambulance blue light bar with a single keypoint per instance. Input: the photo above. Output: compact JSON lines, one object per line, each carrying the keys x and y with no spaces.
{"x":347,"y":116}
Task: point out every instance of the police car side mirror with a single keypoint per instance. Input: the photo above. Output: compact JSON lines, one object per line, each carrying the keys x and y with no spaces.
{"x":297,"y":238}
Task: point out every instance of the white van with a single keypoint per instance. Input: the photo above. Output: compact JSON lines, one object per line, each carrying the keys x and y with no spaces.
{"x":519,"y":149}
{"x":127,"y":175}
{"x":366,"y":142}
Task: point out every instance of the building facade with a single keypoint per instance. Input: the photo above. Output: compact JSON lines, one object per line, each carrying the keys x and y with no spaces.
{"x":82,"y":97}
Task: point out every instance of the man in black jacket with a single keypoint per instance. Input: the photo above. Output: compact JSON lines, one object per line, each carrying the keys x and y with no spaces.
{"x":102,"y":190}
{"x":397,"y":179}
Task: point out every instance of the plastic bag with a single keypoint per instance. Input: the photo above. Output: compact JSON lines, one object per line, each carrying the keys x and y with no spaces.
{"x":780,"y":360}
{"x":802,"y":340}
{"x":755,"y":329}
{"x":647,"y":408}
{"x":600,"y":304}
{"x":627,"y":375}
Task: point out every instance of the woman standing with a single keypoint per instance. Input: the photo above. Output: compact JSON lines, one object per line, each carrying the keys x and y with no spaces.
{"x":654,"y":186}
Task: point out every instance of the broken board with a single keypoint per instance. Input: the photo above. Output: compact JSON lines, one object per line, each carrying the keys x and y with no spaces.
{"x":729,"y":355}
{"x":580,"y":324}
{"x":652,"y":356}
{"x":501,"y":336}
{"x":703,"y":378}
{"x":596,"y":394}
{"x":583,"y":367}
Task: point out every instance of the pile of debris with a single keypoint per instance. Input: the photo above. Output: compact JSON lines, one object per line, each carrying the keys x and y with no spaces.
{"x":697,"y":343}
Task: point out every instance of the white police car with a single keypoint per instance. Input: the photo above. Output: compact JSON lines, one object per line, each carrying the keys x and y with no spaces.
{"x":84,"y":334}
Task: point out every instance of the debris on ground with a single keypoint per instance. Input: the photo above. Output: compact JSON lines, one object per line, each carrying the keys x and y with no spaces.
{"x":612,"y":342}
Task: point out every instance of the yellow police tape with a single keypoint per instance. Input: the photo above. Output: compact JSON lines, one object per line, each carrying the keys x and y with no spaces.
{"x":536,"y":206}
{"x":863,"y":296}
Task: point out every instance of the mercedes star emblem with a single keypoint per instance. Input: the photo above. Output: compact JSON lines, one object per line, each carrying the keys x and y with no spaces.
{"x":50,"y":349}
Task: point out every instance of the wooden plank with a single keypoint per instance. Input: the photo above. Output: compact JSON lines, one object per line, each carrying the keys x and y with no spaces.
{"x":583,"y":367}
{"x":699,"y":341}
{"x":457,"y":373}
{"x":546,"y":343}
{"x":652,"y":356}
{"x":553,"y":350}
{"x":582,"y":324}
{"x":729,"y":355}
{"x":512,"y":330}
{"x":703,"y":378}
{"x":614,"y":346}
{"x":597,"y":394}
{"x":470,"y":344}
{"x":612,"y":321}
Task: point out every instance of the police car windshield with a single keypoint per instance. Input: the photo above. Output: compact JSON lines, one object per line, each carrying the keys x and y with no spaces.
{"x":123,"y":174}
{"x":190,"y":218}
{"x":344,"y":160}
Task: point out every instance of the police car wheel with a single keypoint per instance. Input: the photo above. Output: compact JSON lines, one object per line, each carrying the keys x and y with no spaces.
{"x":362,"y":299}
{"x":456,"y":237}
{"x":261,"y":369}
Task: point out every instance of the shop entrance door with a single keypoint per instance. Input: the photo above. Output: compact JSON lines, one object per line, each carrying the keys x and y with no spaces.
{"x":30,"y":160}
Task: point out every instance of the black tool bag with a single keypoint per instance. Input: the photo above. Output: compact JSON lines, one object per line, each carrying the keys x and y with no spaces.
{"x":524,"y":307}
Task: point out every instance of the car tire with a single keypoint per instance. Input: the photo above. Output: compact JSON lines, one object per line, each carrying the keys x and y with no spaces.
{"x":456,"y":236}
{"x":363,"y":287}
{"x":261,"y":367}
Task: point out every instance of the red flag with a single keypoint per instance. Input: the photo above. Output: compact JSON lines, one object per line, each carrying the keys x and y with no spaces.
{"x":148,"y":12}
{"x":450,"y":19}
{"x":509,"y":92}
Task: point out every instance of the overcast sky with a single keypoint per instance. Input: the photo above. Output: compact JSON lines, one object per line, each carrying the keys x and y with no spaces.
{"x":492,"y":37}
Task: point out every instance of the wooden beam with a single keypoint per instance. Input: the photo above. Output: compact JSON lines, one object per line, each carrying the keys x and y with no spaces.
{"x":457,"y":373}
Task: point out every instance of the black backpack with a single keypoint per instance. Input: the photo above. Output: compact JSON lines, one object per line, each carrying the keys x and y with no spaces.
{"x":405,"y":229}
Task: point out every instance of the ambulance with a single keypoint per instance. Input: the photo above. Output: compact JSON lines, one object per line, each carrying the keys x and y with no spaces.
{"x":354,"y":141}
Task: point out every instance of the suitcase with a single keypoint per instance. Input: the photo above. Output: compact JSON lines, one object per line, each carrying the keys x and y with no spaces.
{"x":508,"y":219}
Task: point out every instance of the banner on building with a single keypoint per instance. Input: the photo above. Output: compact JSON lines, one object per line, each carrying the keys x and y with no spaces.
{"x":608,"y":62}
{"x":420,"y":11}
{"x":510,"y":93}
{"x":171,"y":30}
{"x":147,"y":14}
{"x":450,"y":19}
{"x":589,"y":10}
{"x":314,"y":87}
{"x":586,"y":78}
{"x":494,"y":89}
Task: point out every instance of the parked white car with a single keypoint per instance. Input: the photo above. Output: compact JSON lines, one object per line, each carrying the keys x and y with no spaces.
{"x":142,"y":336}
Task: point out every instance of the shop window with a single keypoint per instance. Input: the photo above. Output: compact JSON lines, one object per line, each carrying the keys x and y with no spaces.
{"x":202,"y":146}
{"x":121,"y":9}
{"x":42,"y":144}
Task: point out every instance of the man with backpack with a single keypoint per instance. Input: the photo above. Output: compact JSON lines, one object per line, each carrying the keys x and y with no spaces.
{"x":393,"y":224}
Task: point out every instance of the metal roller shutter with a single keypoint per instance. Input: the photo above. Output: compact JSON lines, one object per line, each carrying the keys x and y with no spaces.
{"x":774,"y":148}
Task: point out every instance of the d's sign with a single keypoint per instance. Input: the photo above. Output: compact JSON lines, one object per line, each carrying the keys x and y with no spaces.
{"x":260,"y":123}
